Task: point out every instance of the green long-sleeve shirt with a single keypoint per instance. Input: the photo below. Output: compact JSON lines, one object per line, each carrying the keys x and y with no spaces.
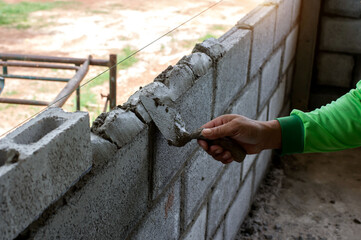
{"x":333,"y":127}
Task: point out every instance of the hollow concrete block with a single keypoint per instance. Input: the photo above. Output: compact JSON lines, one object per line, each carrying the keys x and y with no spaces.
{"x":261,"y":167}
{"x":112,"y":201}
{"x":277,"y":100}
{"x":198,"y":230}
{"x":40,"y":161}
{"x":219,"y":233}
{"x":262,"y":23}
{"x":247,"y":164}
{"x":290,"y":49}
{"x":347,"y":8}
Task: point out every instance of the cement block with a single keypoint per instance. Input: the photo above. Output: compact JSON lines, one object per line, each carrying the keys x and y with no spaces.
{"x":296,"y":11}
{"x":284,"y":19}
{"x":245,"y":105}
{"x":277,"y":100}
{"x":118,"y":126}
{"x":167,"y":159}
{"x":247,"y":164}
{"x":198,"y":181}
{"x":163,"y":220}
{"x":110,"y":204}
{"x":261,"y":168}
{"x":41,"y":160}
{"x":270,"y":76}
{"x":263,"y":116}
{"x":239,"y":209}
{"x":341,"y":35}
{"x":198,"y":230}
{"x":262,"y":22}
{"x":102,"y":150}
{"x":219,"y":233}
{"x":222,"y":196}
{"x":232,"y":68}
{"x":335,"y":69}
{"x":357,"y":71}
{"x":290,"y":49}
{"x":198,"y":62}
{"x":212,"y":47}
{"x":347,"y":8}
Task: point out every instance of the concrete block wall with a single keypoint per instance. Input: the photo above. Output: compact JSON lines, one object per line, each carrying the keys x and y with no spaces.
{"x":338,"y":66}
{"x":122,"y":180}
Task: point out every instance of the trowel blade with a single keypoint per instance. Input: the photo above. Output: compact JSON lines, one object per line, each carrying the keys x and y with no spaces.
{"x":166,"y":118}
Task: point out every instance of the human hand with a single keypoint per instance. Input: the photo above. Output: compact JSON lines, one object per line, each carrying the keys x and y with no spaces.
{"x":252,"y":135}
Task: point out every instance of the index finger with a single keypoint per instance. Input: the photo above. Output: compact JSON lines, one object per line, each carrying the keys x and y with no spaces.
{"x":219,"y":121}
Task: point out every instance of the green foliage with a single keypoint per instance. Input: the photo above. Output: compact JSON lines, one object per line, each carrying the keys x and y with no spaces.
{"x":16,"y":14}
{"x":127,"y":51}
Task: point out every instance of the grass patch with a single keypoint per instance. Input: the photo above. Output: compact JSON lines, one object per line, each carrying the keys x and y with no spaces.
{"x":16,"y":14}
{"x":11,"y":93}
{"x":218,"y":27}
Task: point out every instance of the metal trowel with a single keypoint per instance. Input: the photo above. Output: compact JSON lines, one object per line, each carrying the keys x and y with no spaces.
{"x":171,"y":125}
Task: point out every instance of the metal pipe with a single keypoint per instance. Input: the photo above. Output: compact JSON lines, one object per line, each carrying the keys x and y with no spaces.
{"x":37,"y":65}
{"x":38,"y":58}
{"x":112,"y":81}
{"x":23,"y":101}
{"x":71,"y":86}
{"x":35,"y":78}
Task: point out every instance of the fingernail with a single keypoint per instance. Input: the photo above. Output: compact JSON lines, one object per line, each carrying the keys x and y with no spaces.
{"x":218,"y":151}
{"x":206,"y":131}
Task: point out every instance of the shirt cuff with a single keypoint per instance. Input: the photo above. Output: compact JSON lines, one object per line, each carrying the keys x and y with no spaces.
{"x":292,"y":134}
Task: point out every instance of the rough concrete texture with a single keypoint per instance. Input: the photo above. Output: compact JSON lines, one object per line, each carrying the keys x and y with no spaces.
{"x":200,"y":98}
{"x":232,"y":68}
{"x":283,"y":20}
{"x":198,"y":230}
{"x":245,"y":104}
{"x":335,"y":69}
{"x":111,"y":202}
{"x":162,"y":222}
{"x":269,"y":78}
{"x":296,"y":11}
{"x":247,"y":164}
{"x":212,"y":47}
{"x":290,"y":49}
{"x":277,"y":100}
{"x":262,"y":22}
{"x":239,"y":209}
{"x":219,"y":233}
{"x":222,"y":195}
{"x":198,"y":62}
{"x":341,"y":35}
{"x":50,"y":153}
{"x":102,"y":150}
{"x":118,"y":126}
{"x":198,"y":181}
{"x":347,"y":8}
{"x":308,"y":196}
{"x":261,"y":168}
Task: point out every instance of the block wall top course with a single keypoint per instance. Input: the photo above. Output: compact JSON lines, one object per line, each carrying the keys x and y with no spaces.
{"x":347,"y":8}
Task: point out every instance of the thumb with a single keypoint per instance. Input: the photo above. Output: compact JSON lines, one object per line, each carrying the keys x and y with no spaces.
{"x":217,"y":132}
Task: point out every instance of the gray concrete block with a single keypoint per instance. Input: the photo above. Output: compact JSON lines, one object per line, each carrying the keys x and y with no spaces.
{"x":347,"y":8}
{"x":41,"y":160}
{"x":296,"y":11}
{"x":200,"y":98}
{"x":198,"y":230}
{"x":245,"y":104}
{"x":212,"y":47}
{"x":263,"y":116}
{"x":198,"y":181}
{"x":290,"y":49}
{"x":222,"y":196}
{"x":232,"y":68}
{"x":269,"y":78}
{"x":262,"y":22}
{"x":163,"y":220}
{"x":110,"y":204}
{"x":341,"y":35}
{"x":261,"y":168}
{"x":357,"y":71}
{"x":277,"y":100}
{"x":219,"y":233}
{"x":198,"y":62}
{"x":247,"y":164}
{"x":102,"y":150}
{"x":239,"y":209}
{"x":335,"y":69}
{"x":118,"y":126}
{"x":283,"y":20}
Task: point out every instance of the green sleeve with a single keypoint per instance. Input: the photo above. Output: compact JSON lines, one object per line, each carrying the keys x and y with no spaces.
{"x":333,"y":127}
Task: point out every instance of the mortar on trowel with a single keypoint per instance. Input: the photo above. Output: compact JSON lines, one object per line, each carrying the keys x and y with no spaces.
{"x":171,"y":125}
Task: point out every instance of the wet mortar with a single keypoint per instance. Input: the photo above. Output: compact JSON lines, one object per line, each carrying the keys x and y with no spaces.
{"x":308,"y":197}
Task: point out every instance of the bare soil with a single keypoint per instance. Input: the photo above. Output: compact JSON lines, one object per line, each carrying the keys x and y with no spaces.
{"x":308,"y":197}
{"x":100,"y":28}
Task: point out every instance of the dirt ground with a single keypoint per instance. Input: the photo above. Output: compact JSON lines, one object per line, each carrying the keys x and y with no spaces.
{"x":99,"y":28}
{"x":308,"y":197}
